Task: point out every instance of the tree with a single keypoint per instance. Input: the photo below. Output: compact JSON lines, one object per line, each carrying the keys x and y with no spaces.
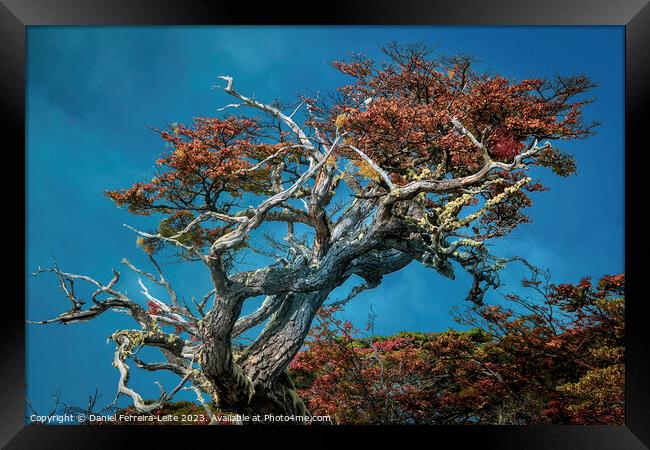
{"x":555,"y":357}
{"x":419,"y":158}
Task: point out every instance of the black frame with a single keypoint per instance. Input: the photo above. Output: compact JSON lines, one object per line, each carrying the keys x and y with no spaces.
{"x":15,"y":15}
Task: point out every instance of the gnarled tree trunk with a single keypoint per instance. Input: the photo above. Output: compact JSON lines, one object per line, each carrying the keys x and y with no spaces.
{"x":255,"y":380}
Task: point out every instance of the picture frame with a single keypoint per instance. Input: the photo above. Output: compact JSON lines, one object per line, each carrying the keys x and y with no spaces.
{"x":17,"y":15}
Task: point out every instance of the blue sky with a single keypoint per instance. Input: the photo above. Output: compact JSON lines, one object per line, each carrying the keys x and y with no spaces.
{"x":91,"y":93}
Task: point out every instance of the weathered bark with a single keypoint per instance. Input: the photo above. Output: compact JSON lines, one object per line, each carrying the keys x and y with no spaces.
{"x":255,"y":381}
{"x":279,"y":398}
{"x":281,"y":339}
{"x":217,"y":361}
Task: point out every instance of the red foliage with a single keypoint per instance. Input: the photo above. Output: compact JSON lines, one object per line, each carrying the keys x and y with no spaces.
{"x":414,"y":96}
{"x":399,"y":112}
{"x":153,"y":308}
{"x":504,"y":145}
{"x":555,"y":360}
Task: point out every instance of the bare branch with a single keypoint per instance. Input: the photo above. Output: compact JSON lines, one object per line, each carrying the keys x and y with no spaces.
{"x":118,"y":300}
{"x":355,"y":291}
{"x":274,"y":112}
{"x":375,"y":167}
{"x":268,"y":307}
{"x":206,"y":407}
{"x":268,"y":158}
{"x":167,"y":239}
{"x":237,"y":236}
{"x":465,"y":132}
{"x":121,"y":353}
{"x":160,"y":281}
{"x":231,"y":105}
{"x":175,"y":368}
{"x":448,"y":185}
